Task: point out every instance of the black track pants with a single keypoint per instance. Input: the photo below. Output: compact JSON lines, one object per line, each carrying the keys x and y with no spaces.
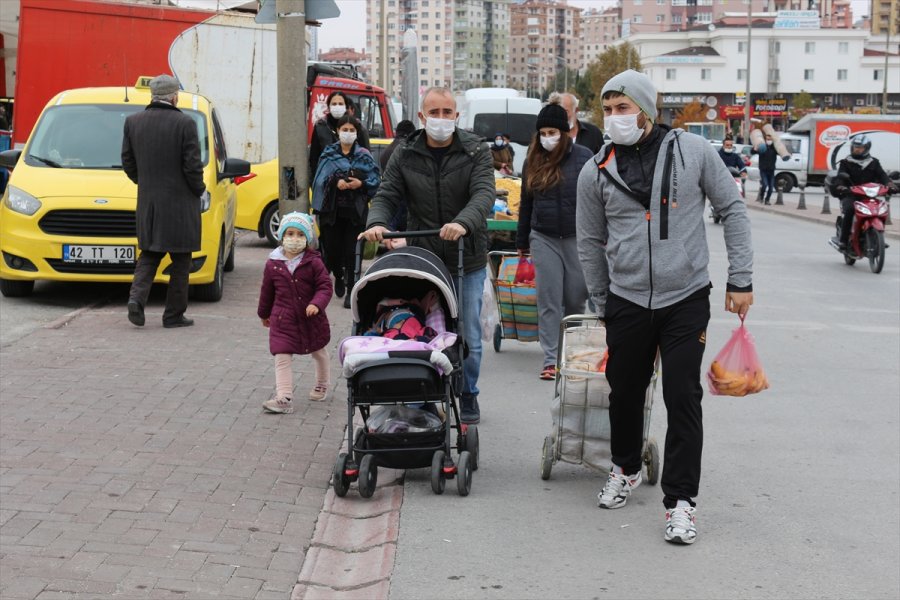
{"x":633,"y":335}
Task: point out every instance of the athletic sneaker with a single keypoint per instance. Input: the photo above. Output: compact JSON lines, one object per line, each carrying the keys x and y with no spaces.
{"x":617,"y":489}
{"x":680,"y":525}
{"x":278,"y":405}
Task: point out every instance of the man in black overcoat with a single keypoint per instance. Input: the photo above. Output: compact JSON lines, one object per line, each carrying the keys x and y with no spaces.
{"x":161,"y":154}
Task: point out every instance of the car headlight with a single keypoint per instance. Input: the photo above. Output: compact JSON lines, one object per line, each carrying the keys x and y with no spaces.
{"x":22,"y":202}
{"x":204,"y":201}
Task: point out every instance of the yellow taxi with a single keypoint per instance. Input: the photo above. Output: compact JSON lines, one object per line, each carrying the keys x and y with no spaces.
{"x":258,"y":194}
{"x":68,"y":213}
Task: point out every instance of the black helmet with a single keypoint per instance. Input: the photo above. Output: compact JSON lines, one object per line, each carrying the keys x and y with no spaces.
{"x":861,"y":141}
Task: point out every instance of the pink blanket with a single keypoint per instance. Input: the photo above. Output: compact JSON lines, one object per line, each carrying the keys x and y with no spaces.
{"x":361,"y":344}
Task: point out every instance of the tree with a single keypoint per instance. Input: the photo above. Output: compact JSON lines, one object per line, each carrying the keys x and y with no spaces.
{"x":802,"y":104}
{"x":691,"y":113}
{"x":609,"y":64}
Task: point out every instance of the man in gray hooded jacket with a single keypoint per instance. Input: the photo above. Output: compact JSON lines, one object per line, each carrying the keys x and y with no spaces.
{"x":642,"y":246}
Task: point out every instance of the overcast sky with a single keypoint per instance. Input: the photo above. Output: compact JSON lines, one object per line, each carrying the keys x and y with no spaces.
{"x":349,"y":30}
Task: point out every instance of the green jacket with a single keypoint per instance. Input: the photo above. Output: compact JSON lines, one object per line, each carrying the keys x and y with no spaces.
{"x":460,"y":191}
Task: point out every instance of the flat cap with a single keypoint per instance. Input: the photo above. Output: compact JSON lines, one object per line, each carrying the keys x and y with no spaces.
{"x":163,"y":85}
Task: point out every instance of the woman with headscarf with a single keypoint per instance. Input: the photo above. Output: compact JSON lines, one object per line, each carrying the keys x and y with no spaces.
{"x":346,"y":179}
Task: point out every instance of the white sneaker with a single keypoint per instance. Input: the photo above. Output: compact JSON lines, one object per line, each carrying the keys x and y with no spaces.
{"x":680,"y":525}
{"x":617,"y":489}
{"x":278,"y":405}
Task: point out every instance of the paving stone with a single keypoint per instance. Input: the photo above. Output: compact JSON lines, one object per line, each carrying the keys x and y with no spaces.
{"x":344,"y":533}
{"x":376,"y":591}
{"x":14,"y":588}
{"x":324,"y":566}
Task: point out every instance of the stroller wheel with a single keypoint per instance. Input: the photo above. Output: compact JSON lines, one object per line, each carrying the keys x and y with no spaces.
{"x":547,"y":458}
{"x":368,"y":476}
{"x":464,"y":473}
{"x":470,"y":444}
{"x":651,"y":460}
{"x":340,"y":479}
{"x":437,"y":472}
{"x":498,"y":337}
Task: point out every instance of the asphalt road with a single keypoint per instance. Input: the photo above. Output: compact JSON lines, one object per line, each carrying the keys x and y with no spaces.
{"x":800,"y":483}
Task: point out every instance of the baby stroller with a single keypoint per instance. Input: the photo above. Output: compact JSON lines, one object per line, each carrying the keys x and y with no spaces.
{"x":402,"y":375}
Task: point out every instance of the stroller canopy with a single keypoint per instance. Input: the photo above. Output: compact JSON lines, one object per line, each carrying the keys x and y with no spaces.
{"x":406,"y":273}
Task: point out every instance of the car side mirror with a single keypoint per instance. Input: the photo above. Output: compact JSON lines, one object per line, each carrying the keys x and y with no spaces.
{"x":234,"y":167}
{"x":9,"y":158}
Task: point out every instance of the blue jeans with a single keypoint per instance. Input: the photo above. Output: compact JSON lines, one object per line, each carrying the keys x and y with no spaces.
{"x":766,"y":183}
{"x":472,"y":290}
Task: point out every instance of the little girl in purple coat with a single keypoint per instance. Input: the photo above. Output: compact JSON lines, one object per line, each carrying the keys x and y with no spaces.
{"x":295,"y":290}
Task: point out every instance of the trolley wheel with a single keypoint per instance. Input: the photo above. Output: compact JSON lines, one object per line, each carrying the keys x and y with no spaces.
{"x":651,"y":459}
{"x":368,"y":476}
{"x":498,"y":337}
{"x":470,"y":444}
{"x":340,"y":479}
{"x":437,"y":472}
{"x":547,"y":458}
{"x":464,"y":473}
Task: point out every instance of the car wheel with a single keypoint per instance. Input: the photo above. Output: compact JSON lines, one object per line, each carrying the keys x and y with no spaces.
{"x":212,"y":292}
{"x":12,"y":288}
{"x":785,"y":182}
{"x":269,"y":223}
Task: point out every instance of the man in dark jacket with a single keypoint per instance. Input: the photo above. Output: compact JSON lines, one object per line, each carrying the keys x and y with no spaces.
{"x":161,"y":154}
{"x":582,"y":132}
{"x":446,"y":175}
{"x":767,"y":158}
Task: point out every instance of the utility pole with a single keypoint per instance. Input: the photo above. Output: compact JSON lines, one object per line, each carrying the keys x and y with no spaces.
{"x":293,"y":159}
{"x":887,"y":53}
{"x":383,"y":72}
{"x":747,"y":74}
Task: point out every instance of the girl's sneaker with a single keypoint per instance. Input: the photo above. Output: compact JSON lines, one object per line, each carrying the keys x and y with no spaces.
{"x":279,"y":405}
{"x":319,"y":392}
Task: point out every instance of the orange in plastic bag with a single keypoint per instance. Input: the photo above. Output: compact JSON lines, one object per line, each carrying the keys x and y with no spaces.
{"x":736,"y":370}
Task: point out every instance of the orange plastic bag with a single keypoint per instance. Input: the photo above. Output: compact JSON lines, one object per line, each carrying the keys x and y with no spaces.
{"x":736,"y":370}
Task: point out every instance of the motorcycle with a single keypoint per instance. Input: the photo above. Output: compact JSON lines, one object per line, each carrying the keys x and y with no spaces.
{"x":870,"y":212}
{"x":739,"y":181}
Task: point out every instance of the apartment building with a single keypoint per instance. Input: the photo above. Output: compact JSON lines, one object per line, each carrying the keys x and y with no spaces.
{"x":647,"y":16}
{"x":885,"y":12}
{"x":461,"y":43}
{"x":481,"y":43}
{"x":599,"y":30}
{"x":834,"y":65}
{"x":545,"y":35}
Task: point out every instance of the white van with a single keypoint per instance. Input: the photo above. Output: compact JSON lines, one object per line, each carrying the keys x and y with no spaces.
{"x":488,"y":111}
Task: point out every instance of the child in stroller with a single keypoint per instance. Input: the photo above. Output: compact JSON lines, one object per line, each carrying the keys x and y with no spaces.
{"x":406,"y":353}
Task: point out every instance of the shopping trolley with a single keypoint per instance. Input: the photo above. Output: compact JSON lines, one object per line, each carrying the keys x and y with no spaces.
{"x":580,"y":410}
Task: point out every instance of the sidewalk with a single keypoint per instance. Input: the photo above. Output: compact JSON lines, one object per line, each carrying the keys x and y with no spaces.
{"x":137,"y":462}
{"x":815,"y":199}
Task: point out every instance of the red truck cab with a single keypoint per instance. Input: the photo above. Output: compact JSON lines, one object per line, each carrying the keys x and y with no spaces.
{"x":369,"y":101}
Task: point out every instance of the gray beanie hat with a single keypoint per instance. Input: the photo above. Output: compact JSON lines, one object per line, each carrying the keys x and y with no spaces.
{"x":163,"y":85}
{"x":636,"y":86}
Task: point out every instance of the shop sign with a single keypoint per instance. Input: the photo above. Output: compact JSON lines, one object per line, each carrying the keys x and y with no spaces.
{"x":731,"y":111}
{"x":770,"y":107}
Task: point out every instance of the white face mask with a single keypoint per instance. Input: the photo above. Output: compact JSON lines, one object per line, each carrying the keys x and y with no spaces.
{"x":549,"y":142}
{"x":337,"y":110}
{"x":294,"y":245}
{"x":347,"y":137}
{"x":440,"y":130}
{"x":623,"y":129}
{"x":728,"y":150}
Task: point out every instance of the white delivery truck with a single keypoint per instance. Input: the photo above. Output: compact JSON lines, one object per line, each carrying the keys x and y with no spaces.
{"x":818,"y":142}
{"x":488,"y":111}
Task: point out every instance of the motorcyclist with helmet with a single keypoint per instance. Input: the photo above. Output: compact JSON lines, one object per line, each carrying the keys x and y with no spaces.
{"x":858,"y":168}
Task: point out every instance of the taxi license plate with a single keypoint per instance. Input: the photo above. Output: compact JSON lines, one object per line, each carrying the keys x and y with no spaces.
{"x":98,"y":254}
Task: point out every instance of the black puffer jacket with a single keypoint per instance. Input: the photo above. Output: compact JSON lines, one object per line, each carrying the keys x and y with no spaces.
{"x":459,"y":190}
{"x":552,"y":211}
